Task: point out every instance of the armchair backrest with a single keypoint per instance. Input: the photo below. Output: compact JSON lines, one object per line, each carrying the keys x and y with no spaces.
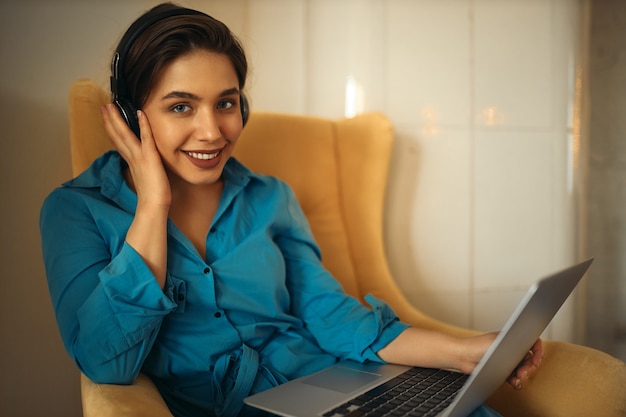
{"x":338,"y":171}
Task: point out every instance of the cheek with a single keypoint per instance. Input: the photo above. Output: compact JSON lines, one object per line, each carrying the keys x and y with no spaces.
{"x":162,"y":140}
{"x":232,"y":129}
{"x":155,"y":123}
{"x":165,"y":135}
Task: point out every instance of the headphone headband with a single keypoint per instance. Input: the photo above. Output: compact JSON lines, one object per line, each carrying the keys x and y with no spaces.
{"x":118,"y":82}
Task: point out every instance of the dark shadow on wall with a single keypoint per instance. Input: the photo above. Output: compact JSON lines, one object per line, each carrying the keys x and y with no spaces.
{"x":606,"y":284}
{"x":37,"y":377}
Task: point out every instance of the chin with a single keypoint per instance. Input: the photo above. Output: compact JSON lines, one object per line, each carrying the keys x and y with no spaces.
{"x":205,"y":179}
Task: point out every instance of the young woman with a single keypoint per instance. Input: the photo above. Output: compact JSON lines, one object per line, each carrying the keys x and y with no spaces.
{"x":171,"y":258}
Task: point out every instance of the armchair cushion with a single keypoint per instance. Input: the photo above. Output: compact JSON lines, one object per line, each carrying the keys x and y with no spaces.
{"x":573,"y":381}
{"x":139,"y":399}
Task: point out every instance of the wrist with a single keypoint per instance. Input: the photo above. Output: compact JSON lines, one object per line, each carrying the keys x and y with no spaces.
{"x":152,"y":209}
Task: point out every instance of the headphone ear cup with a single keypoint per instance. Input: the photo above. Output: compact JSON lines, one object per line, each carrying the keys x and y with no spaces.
{"x":129,"y":114}
{"x":243,"y":105}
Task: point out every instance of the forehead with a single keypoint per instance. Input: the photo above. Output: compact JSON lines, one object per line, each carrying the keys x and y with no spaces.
{"x":198,"y":71}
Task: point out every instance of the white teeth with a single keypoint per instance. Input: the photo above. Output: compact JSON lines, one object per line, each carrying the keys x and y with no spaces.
{"x":203,"y":156}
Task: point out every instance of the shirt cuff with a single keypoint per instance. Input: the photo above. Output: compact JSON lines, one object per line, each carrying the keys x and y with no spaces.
{"x":132,"y":299}
{"x":389,"y":327}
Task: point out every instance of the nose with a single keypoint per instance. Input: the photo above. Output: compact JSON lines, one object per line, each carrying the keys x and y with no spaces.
{"x":207,"y":125}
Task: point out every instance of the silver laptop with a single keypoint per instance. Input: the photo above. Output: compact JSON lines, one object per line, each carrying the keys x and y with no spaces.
{"x":347,"y":387}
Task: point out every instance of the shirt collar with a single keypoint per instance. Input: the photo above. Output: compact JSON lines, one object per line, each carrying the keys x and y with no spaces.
{"x":105,"y":173}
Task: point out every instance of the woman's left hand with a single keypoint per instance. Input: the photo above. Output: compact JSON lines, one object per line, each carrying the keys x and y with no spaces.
{"x":527,"y":366}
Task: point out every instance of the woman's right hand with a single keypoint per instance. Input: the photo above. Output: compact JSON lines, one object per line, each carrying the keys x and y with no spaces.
{"x":147,"y":174}
{"x":148,"y":232}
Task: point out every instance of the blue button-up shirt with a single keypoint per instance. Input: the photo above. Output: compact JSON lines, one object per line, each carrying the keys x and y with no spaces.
{"x":259,"y":310}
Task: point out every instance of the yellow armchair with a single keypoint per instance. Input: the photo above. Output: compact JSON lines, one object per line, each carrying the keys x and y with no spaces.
{"x":338,"y":170}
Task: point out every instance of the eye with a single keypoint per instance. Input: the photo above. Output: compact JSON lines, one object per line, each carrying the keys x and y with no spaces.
{"x":225,"y":105}
{"x":180,"y":108}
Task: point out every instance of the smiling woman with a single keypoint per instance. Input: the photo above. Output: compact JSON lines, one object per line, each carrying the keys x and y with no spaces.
{"x":169,"y":257}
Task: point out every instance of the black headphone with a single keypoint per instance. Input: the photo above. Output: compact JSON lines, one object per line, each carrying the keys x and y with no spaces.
{"x":119,"y":89}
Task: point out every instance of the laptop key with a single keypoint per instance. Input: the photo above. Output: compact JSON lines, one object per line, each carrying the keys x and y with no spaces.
{"x":356,"y":413}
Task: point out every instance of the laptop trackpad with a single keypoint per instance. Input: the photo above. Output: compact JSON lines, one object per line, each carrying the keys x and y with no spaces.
{"x":341,"y":379}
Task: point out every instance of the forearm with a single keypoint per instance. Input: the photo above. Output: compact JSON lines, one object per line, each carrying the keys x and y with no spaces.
{"x":420,"y":347}
{"x":147,"y":235}
{"x":431,"y":349}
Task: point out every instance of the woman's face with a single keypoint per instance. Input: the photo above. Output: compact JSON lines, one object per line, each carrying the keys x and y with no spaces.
{"x":195,"y":117}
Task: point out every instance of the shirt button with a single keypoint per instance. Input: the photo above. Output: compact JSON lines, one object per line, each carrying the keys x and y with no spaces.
{"x":218,"y":315}
{"x":207,"y":270}
{"x":181,"y":297}
{"x":213,"y":229}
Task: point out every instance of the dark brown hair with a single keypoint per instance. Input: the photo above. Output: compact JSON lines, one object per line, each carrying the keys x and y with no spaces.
{"x":170,"y":38}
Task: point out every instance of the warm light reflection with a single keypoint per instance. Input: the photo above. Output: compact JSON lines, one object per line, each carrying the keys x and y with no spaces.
{"x":430,"y":131}
{"x":492,"y":116}
{"x":355,"y":97}
{"x":430,"y":114}
{"x":430,"y":119}
{"x":576,"y":135}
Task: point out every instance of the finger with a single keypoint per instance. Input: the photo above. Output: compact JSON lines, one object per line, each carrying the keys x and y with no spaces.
{"x":538,"y":352}
{"x":144,"y":128}
{"x":527,"y":366}
{"x":515,"y":382}
{"x":535,"y":354}
{"x":142,"y":125}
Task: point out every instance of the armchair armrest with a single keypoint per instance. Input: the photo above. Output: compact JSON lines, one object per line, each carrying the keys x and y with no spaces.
{"x":573,"y":380}
{"x":141,"y":399}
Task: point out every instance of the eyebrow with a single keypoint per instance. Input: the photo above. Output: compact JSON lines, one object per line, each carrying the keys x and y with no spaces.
{"x":191,"y":96}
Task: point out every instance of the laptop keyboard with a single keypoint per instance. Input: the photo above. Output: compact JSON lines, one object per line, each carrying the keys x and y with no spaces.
{"x":417,"y":392}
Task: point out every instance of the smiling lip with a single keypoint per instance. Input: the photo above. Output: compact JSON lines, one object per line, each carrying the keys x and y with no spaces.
{"x":205,"y":159}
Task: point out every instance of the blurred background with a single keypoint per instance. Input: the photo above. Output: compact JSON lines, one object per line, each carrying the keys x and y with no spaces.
{"x":509,"y":161}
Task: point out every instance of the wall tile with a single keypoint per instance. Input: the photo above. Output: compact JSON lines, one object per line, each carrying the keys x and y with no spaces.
{"x":513,"y":208}
{"x":345,"y":47}
{"x":428,"y":62}
{"x":275,"y":40}
{"x":432,"y":191}
{"x":452,"y":307}
{"x":513,"y":63}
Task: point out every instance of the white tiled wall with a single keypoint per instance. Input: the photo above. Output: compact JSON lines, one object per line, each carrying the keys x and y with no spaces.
{"x":481,"y":93}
